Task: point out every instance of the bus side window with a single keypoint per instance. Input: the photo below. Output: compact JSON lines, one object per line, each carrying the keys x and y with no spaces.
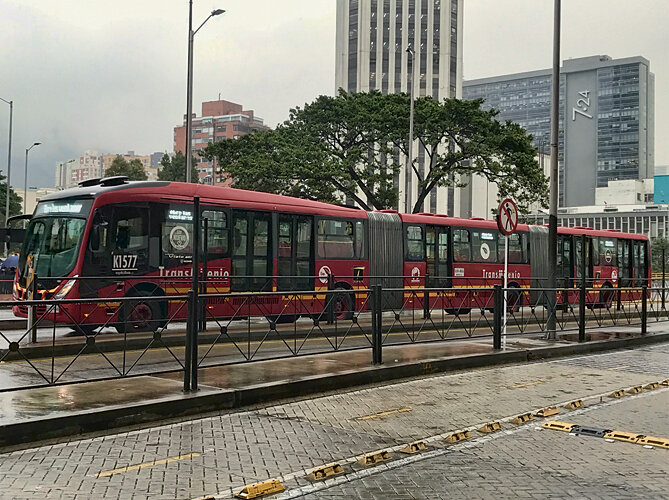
{"x":484,"y":246}
{"x":217,"y":233}
{"x":336,"y":239}
{"x":607,"y":252}
{"x":415,"y":247}
{"x":461,"y":248}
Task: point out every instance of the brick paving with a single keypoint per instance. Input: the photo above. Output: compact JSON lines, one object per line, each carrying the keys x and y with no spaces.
{"x":236,"y":448}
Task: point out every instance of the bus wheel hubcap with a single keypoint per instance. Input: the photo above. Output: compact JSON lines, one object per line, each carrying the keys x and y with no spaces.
{"x":140,"y":315}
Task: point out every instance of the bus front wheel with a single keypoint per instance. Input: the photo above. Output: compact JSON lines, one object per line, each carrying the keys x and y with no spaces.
{"x":139,"y":316}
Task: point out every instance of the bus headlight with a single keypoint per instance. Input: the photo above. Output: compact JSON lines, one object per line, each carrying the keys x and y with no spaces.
{"x":65,"y":289}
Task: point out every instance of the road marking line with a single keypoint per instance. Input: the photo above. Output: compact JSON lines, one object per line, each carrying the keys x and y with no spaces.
{"x":527,"y":385}
{"x":147,"y":464}
{"x":384,"y":413}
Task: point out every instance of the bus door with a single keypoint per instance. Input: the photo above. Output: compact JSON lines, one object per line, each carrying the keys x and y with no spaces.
{"x":639,"y":261}
{"x":565,"y":263}
{"x":437,"y":256}
{"x":251,"y":251}
{"x":295,"y":252}
{"x":578,"y":257}
{"x":624,"y":263}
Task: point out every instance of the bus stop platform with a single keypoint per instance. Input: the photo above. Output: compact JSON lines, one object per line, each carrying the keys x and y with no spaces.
{"x":30,"y":415}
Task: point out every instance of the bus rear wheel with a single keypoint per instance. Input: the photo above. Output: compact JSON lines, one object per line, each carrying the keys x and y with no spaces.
{"x":606,"y":296}
{"x":139,"y":316}
{"x":343,"y":306}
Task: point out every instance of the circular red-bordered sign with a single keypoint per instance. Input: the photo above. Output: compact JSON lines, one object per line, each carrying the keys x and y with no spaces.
{"x":507,"y":217}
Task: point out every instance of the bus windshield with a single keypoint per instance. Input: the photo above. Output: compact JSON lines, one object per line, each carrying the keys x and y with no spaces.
{"x":53,"y":243}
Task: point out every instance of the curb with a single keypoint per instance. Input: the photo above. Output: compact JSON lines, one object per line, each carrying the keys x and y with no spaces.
{"x":209,"y":400}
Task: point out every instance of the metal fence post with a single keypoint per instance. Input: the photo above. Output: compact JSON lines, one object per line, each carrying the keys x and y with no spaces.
{"x":581,"y":311}
{"x":189,"y":340}
{"x":662,"y":289}
{"x":377,"y":325}
{"x":332,"y":300}
{"x":644,"y":309}
{"x":195,"y":311}
{"x":205,"y":277}
{"x":31,"y":321}
{"x":497,"y":317}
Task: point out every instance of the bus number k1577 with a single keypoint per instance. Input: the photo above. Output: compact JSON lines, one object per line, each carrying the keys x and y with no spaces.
{"x":125,"y":263}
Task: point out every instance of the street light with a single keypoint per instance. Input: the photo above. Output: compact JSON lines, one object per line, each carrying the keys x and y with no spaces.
{"x":189,"y":90}
{"x":25,"y":177}
{"x":407,"y":176}
{"x":9,"y":165}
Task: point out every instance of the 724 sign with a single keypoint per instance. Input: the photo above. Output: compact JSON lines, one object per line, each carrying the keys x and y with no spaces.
{"x":582,"y":105}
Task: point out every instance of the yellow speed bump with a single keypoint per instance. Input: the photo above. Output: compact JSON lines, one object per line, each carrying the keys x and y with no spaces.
{"x":414,"y":447}
{"x":490,"y":427}
{"x":458,"y":436}
{"x":325,"y":471}
{"x":260,"y":489}
{"x":558,"y":426}
{"x":628,"y":437}
{"x":651,"y":386}
{"x":572,"y":405}
{"x":653,"y":441}
{"x":521,"y":419}
{"x":617,"y":394}
{"x":547,"y":412}
{"x":374,"y":458}
{"x":635,"y":390}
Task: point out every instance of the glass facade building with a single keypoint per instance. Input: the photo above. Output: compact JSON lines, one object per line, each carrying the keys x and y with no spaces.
{"x":371,"y":54}
{"x":606,"y":119}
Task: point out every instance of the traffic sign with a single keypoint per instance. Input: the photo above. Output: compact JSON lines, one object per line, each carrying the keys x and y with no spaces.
{"x":507,"y":217}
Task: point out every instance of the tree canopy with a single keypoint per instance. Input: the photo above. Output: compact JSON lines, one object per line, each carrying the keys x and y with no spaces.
{"x":15,"y":201}
{"x":354,"y":144}
{"x":133,"y":169}
{"x":174,"y":169}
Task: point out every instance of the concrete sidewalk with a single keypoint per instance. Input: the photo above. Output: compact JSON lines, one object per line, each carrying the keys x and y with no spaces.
{"x":50,"y":412}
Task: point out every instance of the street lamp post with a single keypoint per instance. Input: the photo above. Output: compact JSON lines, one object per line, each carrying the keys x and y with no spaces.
{"x":551,"y":322}
{"x":407,"y":175}
{"x":25,"y":178}
{"x":189,"y":85}
{"x":9,"y":165}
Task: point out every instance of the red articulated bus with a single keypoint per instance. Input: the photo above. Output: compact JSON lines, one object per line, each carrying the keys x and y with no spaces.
{"x":112,"y":238}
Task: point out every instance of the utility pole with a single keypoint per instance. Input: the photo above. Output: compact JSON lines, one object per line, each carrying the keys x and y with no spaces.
{"x":552,"y":214}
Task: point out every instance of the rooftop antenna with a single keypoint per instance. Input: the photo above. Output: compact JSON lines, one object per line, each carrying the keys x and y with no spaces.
{"x":219,"y":96}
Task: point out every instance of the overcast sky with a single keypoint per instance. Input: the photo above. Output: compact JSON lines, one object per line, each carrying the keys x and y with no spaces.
{"x":110,"y":76}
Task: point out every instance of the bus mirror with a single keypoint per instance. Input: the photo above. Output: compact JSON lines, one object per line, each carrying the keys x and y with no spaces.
{"x":95,"y":238}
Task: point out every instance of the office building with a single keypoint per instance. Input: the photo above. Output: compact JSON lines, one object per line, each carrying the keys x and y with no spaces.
{"x":606,"y":125}
{"x":220,"y":120}
{"x":87,"y":166}
{"x":371,"y":53}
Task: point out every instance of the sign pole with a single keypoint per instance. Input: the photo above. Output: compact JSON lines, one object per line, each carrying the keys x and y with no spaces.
{"x":506,"y":284}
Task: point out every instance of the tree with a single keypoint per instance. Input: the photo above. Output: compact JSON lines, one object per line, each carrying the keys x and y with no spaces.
{"x":656,"y":247}
{"x":133,"y":169}
{"x":352,"y":142}
{"x":15,"y":201}
{"x":174,"y":169}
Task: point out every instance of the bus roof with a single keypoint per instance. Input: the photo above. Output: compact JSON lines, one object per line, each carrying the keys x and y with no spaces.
{"x":181,"y":191}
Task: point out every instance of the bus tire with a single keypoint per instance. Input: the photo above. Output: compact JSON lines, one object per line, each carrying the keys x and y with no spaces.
{"x":141,"y":315}
{"x":606,"y":295}
{"x":514,"y":298}
{"x":344,"y":304}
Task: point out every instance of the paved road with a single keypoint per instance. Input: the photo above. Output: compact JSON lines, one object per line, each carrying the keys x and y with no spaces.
{"x":217,"y":455}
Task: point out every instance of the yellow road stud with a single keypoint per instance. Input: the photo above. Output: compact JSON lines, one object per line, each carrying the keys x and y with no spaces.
{"x":651,"y":386}
{"x":572,"y":405}
{"x":654,"y":441}
{"x":628,"y":437}
{"x":260,"y":489}
{"x":374,"y":458}
{"x":521,"y":419}
{"x":414,"y":447}
{"x":635,"y":390}
{"x":325,"y":471}
{"x":558,"y":426}
{"x":547,"y":412}
{"x":490,"y":427}
{"x":457,"y":436}
{"x":617,"y":394}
